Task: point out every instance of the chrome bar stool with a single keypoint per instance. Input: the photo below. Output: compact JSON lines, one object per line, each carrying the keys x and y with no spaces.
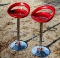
{"x":42,"y":14}
{"x":18,"y":10}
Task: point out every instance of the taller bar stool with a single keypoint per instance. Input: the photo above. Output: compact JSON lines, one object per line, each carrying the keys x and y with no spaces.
{"x":42,"y":14}
{"x":20,"y":12}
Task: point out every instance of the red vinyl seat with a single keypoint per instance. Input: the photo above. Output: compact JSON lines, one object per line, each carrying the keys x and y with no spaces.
{"x":20,"y":12}
{"x":43,"y":16}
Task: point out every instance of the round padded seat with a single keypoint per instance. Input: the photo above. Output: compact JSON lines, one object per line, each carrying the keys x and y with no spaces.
{"x":20,"y":12}
{"x":43,"y":16}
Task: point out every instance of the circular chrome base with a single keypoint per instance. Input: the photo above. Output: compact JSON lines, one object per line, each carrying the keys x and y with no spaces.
{"x":18,"y":45}
{"x":40,"y":52}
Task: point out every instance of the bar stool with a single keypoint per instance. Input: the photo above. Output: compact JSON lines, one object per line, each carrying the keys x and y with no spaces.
{"x":42,"y":14}
{"x":20,"y":12}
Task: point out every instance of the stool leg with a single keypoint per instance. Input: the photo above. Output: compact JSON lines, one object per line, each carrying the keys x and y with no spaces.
{"x":18,"y":44}
{"x":41,"y":34}
{"x":18,"y":27}
{"x":40,"y":51}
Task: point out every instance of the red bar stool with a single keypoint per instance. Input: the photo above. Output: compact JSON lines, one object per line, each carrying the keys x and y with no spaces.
{"x":20,"y":12}
{"x":42,"y":14}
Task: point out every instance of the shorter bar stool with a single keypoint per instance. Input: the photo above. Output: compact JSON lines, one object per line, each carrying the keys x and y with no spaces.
{"x":42,"y":14}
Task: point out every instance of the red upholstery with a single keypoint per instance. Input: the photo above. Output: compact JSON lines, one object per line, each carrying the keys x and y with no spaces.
{"x":18,"y":13}
{"x":43,"y":16}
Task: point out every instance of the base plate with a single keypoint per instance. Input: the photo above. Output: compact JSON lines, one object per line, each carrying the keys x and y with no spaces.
{"x":36,"y":51}
{"x":18,"y":45}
